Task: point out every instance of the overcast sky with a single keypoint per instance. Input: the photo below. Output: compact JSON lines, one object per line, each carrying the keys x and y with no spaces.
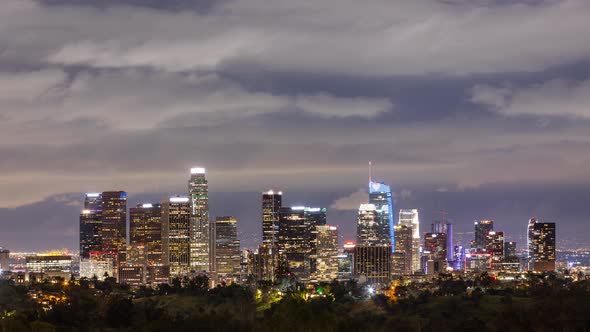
{"x":478,"y":107}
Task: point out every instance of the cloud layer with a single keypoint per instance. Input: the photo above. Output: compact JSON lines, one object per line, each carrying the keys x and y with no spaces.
{"x":460,"y":95}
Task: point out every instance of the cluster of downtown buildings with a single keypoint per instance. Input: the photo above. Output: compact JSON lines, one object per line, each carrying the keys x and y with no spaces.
{"x":177,"y":237}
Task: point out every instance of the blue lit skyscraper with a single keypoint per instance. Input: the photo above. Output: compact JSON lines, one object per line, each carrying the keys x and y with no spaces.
{"x":380,"y":196}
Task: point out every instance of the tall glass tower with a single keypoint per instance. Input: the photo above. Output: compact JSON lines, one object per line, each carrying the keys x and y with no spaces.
{"x":410,"y":218}
{"x":91,"y":225}
{"x":380,"y":196}
{"x":198,"y":190}
{"x":271,"y":206}
{"x":114,"y":222}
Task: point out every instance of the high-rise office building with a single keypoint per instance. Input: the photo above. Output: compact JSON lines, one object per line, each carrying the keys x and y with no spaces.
{"x":482,"y":228}
{"x":297,"y":241}
{"x":114,"y":222}
{"x":227,"y":249}
{"x":132,"y":269}
{"x":327,"y":253}
{"x":495,"y":247}
{"x":4,"y":260}
{"x":346,"y":261}
{"x":368,"y":231}
{"x":458,"y":258}
{"x":176,"y":234}
{"x":510,"y":251}
{"x":380,"y":196}
{"x":435,"y":250}
{"x":261,"y":264}
{"x":529,"y":241}
{"x":542,"y":239}
{"x":201,"y":239}
{"x":403,"y":249}
{"x":373,"y":263}
{"x":410,"y":218}
{"x":145,"y":228}
{"x":91,"y":225}
{"x":445,"y":230}
{"x":271,"y":205}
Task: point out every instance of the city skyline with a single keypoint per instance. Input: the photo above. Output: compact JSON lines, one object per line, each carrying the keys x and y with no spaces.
{"x":251,"y":238}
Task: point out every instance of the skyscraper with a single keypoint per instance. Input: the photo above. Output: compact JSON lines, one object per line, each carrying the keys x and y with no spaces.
{"x":297,"y":241}
{"x":114,"y":222}
{"x":4,"y":260}
{"x":410,"y":218}
{"x":482,"y":228}
{"x":495,"y":247}
{"x":542,"y":239}
{"x":227,"y":249}
{"x":145,"y":228}
{"x":403,"y":248}
{"x":368,"y":229}
{"x":529,"y":241}
{"x":327,"y":253}
{"x":271,"y":206}
{"x":510,"y":251}
{"x":91,"y":225}
{"x":435,"y":248}
{"x":380,"y":196}
{"x":198,"y":188}
{"x":373,"y":263}
{"x":176,"y":235}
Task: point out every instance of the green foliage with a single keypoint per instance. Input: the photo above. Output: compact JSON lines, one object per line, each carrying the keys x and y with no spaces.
{"x":547,"y":303}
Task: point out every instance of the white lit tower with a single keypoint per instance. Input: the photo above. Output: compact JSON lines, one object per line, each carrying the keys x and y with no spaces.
{"x":198,"y":190}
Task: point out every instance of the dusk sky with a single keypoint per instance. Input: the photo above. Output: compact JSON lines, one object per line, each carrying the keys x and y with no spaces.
{"x":478,"y":107}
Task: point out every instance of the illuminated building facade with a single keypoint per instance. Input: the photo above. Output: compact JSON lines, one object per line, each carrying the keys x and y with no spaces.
{"x":510,"y":254}
{"x":368,"y":226}
{"x":297,"y":241}
{"x":91,"y":225}
{"x":403,"y":250}
{"x":327,"y":253}
{"x":145,"y":228}
{"x":227,"y":249}
{"x":380,"y":196}
{"x":482,"y":228}
{"x":201,"y":239}
{"x":96,"y":266}
{"x":261,"y":264}
{"x":410,"y":218}
{"x":458,"y":258}
{"x":4,"y":260}
{"x":373,"y":263}
{"x":176,"y":220}
{"x":542,"y":239}
{"x":435,"y":249}
{"x":346,"y":261}
{"x":495,"y":247}
{"x":271,"y":205}
{"x":114,"y":222}
{"x":50,"y":265}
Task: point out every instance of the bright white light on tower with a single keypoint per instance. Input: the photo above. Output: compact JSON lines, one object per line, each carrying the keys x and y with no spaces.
{"x":92,"y":194}
{"x":197,"y":170}
{"x":178,"y":199}
{"x":367,"y":207}
{"x":147,"y":205}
